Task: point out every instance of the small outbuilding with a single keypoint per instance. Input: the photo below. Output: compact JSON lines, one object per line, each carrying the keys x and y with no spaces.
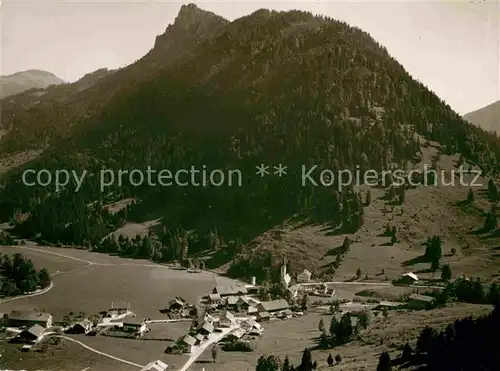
{"x":408,"y":279}
{"x":416,"y":301}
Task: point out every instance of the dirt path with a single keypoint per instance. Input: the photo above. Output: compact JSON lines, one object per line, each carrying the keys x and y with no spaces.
{"x":41,"y":292}
{"x":66,"y":256}
{"x":99,"y":352}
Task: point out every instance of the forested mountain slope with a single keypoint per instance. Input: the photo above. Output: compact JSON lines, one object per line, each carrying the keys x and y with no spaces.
{"x":267,"y":88}
{"x":38,"y":119}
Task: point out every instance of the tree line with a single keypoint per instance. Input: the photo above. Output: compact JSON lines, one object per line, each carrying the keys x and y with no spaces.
{"x":18,"y":275}
{"x":467,"y":344}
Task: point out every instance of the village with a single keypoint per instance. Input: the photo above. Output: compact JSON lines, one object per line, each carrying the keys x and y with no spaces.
{"x":232,"y":317}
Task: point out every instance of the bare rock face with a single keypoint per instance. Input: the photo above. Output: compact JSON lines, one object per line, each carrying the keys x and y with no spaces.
{"x":191,"y":26}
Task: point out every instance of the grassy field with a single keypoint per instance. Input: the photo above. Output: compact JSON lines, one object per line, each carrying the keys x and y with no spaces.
{"x":290,"y":337}
{"x":90,"y":284}
{"x":92,"y":288}
{"x":142,"y":351}
{"x":65,"y":356}
{"x":427,"y":210}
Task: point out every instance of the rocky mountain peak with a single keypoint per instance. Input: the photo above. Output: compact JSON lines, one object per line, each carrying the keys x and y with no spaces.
{"x":190,"y":15}
{"x":191,"y":26}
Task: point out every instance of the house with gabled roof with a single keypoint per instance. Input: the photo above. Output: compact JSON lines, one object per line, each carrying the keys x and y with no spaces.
{"x":230,"y":289}
{"x":305,"y":276}
{"x":176,"y":304}
{"x":206,"y":328}
{"x":214,"y":299}
{"x":273,"y":306}
{"x":252,"y":310}
{"x":408,"y":279}
{"x":187,"y":343}
{"x":199,"y":338}
{"x":82,"y":327}
{"x":236,"y":334}
{"x":227,"y":319}
{"x":250,"y":324}
{"x":416,"y":301}
{"x":134,"y":325}
{"x":263,"y":316}
{"x":244,"y":302}
{"x":232,"y":301}
{"x":20,"y":318}
{"x":31,"y":335}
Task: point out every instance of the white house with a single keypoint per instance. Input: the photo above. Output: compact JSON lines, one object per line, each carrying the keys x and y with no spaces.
{"x":305,"y":276}
{"x":131,"y":324}
{"x":187,"y":343}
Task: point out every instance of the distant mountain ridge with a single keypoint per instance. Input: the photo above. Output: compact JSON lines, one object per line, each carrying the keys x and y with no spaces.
{"x":26,"y":80}
{"x":487,"y":118}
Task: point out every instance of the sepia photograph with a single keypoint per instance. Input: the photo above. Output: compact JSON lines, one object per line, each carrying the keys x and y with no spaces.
{"x":250,"y":185}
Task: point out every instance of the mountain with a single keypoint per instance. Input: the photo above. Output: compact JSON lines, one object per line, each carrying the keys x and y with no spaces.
{"x":269,"y":88}
{"x":70,"y":104}
{"x":487,"y":118}
{"x":26,"y":80}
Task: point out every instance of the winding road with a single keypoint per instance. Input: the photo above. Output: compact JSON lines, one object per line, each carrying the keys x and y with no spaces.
{"x":41,"y":292}
{"x":99,"y":352}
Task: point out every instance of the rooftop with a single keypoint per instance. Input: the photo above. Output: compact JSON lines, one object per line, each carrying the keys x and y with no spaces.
{"x":155,"y":366}
{"x":208,"y":327}
{"x":229,"y":288}
{"x":274,"y":305}
{"x":188,"y":339}
{"x":85,"y":323}
{"x":35,"y":330}
{"x":228,"y":315}
{"x":238,"y":333}
{"x":411,"y":275}
{"x":427,"y":299}
{"x":133,"y":321}
{"x":232,"y":300}
{"x":19,"y":315}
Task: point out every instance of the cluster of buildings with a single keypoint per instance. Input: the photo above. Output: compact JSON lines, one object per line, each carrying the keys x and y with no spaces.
{"x":33,"y":324}
{"x":207,"y":325}
{"x":178,"y":308}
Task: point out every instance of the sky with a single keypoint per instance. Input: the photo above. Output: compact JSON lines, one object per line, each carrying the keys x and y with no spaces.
{"x":452,"y":47}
